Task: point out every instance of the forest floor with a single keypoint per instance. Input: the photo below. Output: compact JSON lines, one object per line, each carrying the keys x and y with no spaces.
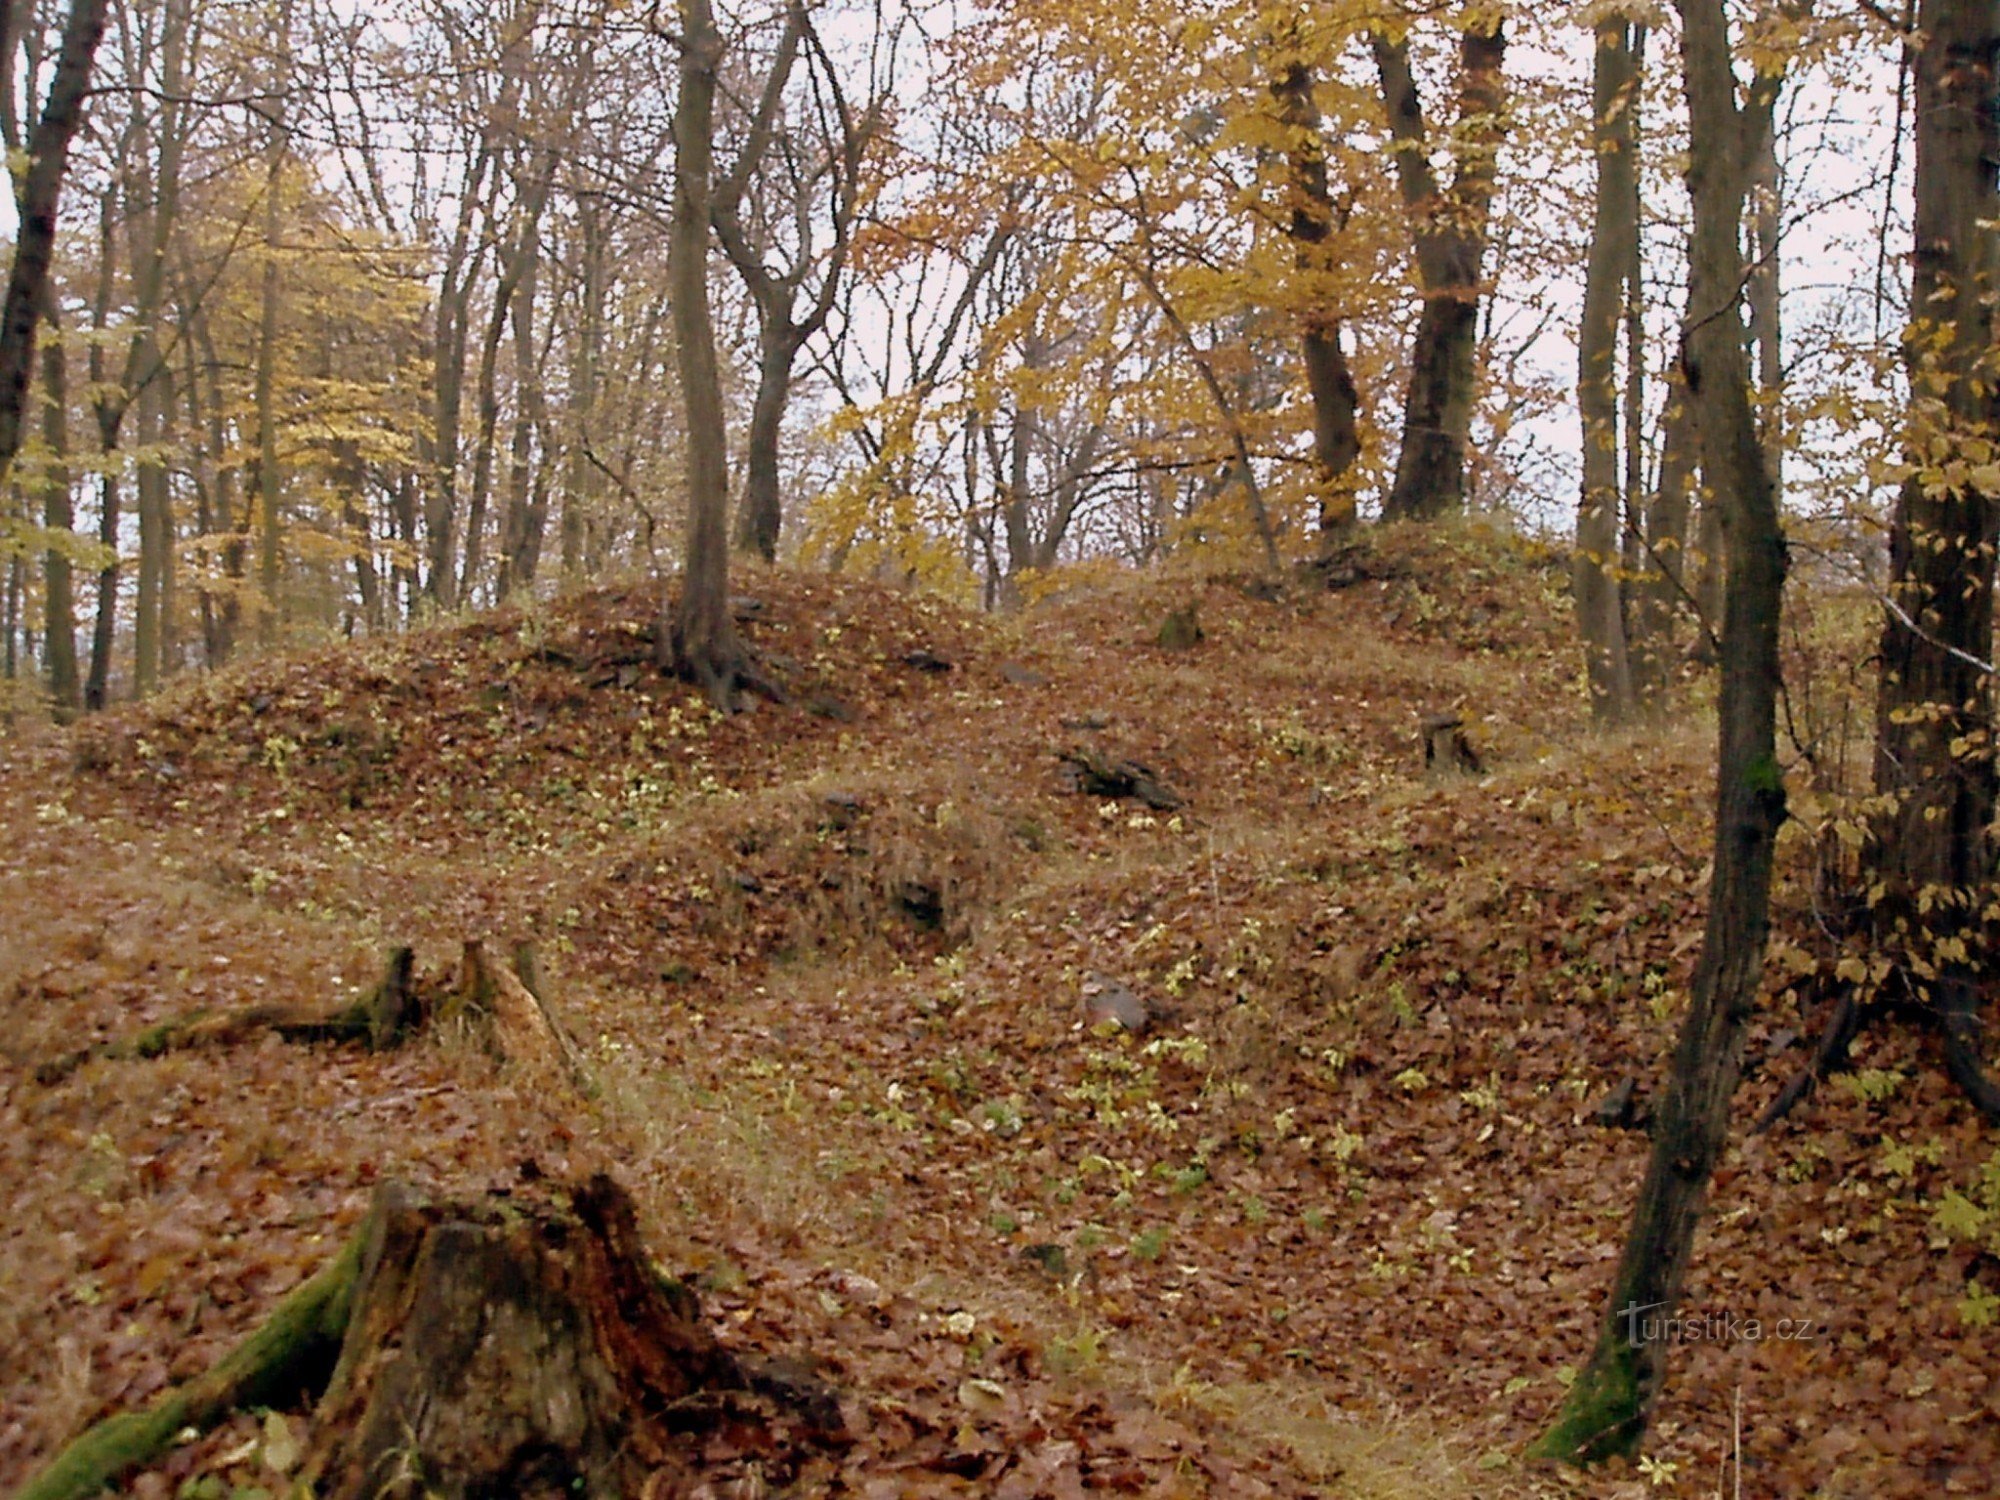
{"x":1339,"y":1222}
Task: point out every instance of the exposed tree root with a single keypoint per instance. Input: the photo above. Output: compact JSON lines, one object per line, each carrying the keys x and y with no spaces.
{"x":517,"y":1344}
{"x":1956,"y":1015}
{"x":384,"y":1017}
{"x":498,"y":1003}
{"x":290,"y":1356}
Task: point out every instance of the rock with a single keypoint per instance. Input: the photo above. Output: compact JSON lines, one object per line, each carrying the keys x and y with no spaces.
{"x":1621,"y":1109}
{"x":843,"y":809}
{"x":1108,"y":1001}
{"x":1022,"y":676}
{"x":826,"y":706}
{"x":1096,"y":775}
{"x":925,"y":660}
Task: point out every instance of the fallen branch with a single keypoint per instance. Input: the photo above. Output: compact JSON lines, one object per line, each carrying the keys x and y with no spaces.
{"x":383,"y":1017}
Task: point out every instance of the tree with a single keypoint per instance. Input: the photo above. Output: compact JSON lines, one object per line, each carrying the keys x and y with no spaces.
{"x":1613,"y":240}
{"x":791,"y":165}
{"x":1934,"y":754}
{"x":1329,"y":381}
{"x":699,"y":638}
{"x":1450,"y":245}
{"x":1609,"y":1404}
{"x":38,"y":193}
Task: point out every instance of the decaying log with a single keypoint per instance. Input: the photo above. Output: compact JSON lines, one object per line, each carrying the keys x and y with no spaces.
{"x":517,"y":1344}
{"x":1097,"y":775}
{"x":385,"y":1016}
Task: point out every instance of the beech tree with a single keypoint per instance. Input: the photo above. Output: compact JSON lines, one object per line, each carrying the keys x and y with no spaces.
{"x":1934,"y":751}
{"x":1606,"y":290}
{"x":1449,"y":224}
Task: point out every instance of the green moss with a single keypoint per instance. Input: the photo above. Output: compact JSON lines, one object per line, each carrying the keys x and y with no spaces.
{"x":1603,"y":1415}
{"x":292,"y":1351}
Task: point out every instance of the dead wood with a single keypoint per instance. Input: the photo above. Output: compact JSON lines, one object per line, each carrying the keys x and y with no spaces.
{"x":518,"y":1344}
{"x":1446,"y":747}
{"x":385,"y":1016}
{"x":517,"y":1025}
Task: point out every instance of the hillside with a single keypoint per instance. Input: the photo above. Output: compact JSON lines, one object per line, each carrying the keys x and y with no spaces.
{"x":1339,"y":1220}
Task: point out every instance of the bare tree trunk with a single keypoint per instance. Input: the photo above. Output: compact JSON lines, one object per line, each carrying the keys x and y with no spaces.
{"x":1662,"y":594}
{"x":36,"y":202}
{"x":700,"y":640}
{"x":760,"y":514}
{"x":1609,"y":1404}
{"x":269,"y":483}
{"x":1336,"y":402}
{"x":58,"y":515}
{"x":1934,"y":755}
{"x":108,"y":406}
{"x":1450,"y":248}
{"x":1595,"y":573}
{"x":587,"y":342}
{"x":1765,"y":289}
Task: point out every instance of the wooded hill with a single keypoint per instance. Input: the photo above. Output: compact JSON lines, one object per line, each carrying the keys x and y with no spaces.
{"x":1271,"y":1134}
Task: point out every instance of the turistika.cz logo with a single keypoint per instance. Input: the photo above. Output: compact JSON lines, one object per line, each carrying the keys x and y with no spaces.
{"x":1645,"y":1324}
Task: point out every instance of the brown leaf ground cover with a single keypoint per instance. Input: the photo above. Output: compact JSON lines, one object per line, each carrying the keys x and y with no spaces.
{"x":1337,"y":1222}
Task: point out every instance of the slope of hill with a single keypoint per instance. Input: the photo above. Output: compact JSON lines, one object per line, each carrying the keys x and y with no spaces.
{"x":1336,"y":1220}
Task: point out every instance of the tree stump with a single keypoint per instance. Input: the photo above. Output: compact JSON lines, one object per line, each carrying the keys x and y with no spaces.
{"x":530,"y":1348}
{"x":1446,"y":747}
{"x":514,"y":1344}
{"x":1182,"y":630}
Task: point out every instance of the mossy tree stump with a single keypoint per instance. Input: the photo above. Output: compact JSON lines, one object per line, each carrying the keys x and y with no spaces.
{"x":516,"y":1343}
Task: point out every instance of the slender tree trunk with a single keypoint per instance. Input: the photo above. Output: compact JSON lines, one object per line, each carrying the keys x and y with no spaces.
{"x":1329,"y":382}
{"x":1934,"y":757}
{"x":269,"y":482}
{"x":1450,"y":249}
{"x":1595,"y":573}
{"x":760,"y":514}
{"x":1661,"y":597}
{"x":527,"y":480}
{"x":1765,"y":287}
{"x":108,"y":405}
{"x":584,"y":482}
{"x":36,"y":203}
{"x":226,"y":614}
{"x":1609,"y":1404}
{"x":58,"y":515}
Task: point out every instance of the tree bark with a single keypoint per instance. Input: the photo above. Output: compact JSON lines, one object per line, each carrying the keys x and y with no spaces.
{"x":700,"y":638}
{"x":519,"y":1344}
{"x":1329,"y":381}
{"x":1595,"y":572}
{"x":36,"y":203}
{"x":269,"y":482}
{"x":1450,"y":228}
{"x":1934,"y":757}
{"x":1608,"y":1406}
{"x":58,"y":515}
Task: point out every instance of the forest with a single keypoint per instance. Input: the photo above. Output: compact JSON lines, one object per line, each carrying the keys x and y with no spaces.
{"x":999,"y":747}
